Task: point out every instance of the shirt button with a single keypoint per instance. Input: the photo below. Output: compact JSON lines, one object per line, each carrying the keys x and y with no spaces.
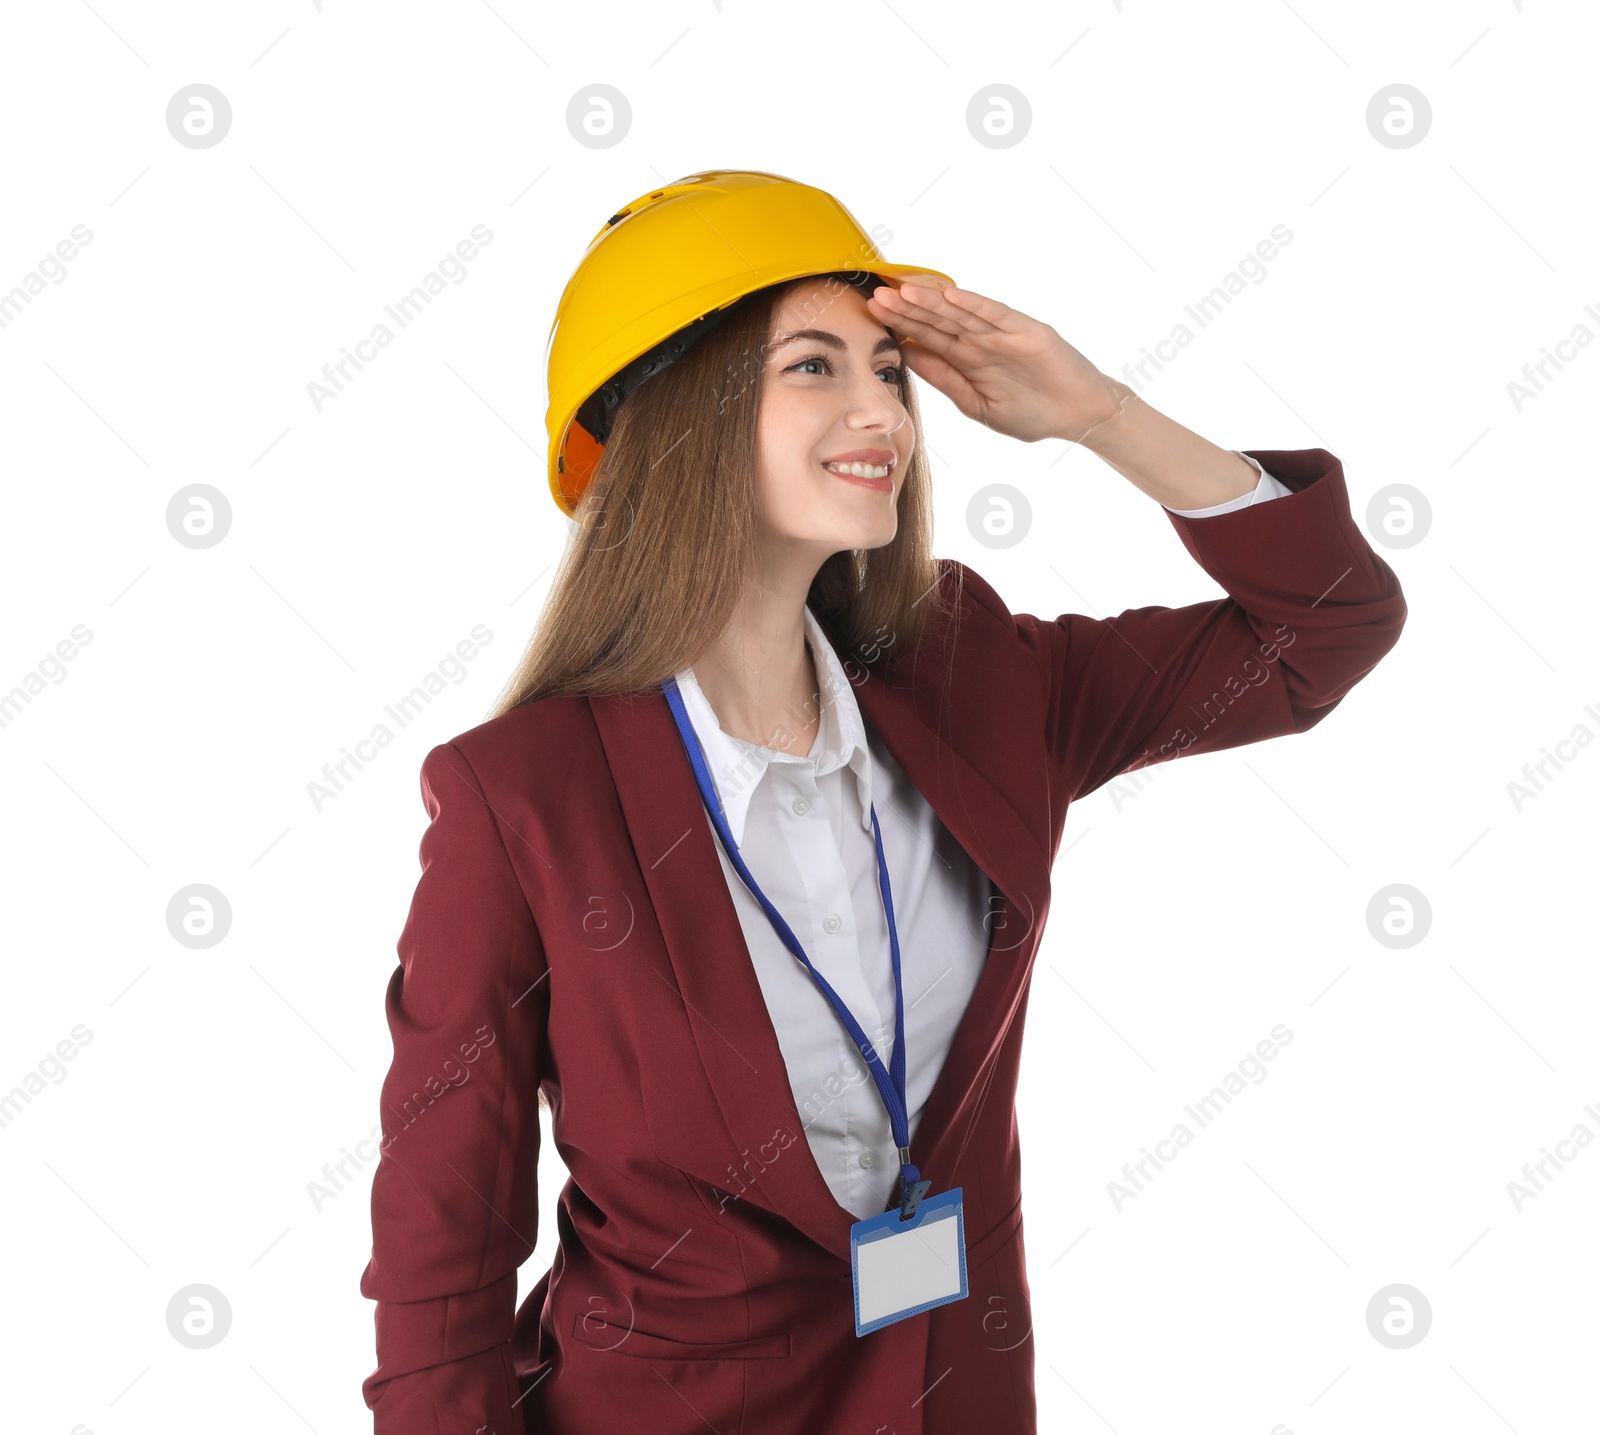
{"x":869,"y":1158}
{"x":801,"y":805}
{"x":831,"y":923}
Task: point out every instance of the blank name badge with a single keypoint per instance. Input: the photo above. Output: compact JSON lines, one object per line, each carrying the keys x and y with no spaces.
{"x":901,"y":1268}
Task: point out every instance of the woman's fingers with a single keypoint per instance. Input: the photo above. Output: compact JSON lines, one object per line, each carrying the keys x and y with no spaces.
{"x":923,"y":330}
{"x":945,"y":333}
{"x":974,"y":313}
{"x":943,"y":375}
{"x":985,"y":310}
{"x":926,"y":305}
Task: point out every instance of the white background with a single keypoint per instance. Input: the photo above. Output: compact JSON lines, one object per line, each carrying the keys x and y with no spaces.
{"x":1226,"y":895}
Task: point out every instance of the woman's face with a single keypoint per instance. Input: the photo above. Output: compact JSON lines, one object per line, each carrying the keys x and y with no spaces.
{"x":833,"y":433}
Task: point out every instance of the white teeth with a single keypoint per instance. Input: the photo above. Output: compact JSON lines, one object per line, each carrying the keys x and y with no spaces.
{"x":860,"y":470}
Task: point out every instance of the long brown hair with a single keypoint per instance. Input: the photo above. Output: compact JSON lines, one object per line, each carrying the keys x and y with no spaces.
{"x":664,"y":546}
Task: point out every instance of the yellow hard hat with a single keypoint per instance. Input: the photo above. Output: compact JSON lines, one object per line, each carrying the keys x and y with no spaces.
{"x":663,"y":264}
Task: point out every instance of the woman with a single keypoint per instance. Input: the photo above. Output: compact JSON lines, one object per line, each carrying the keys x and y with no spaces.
{"x":747,"y":874}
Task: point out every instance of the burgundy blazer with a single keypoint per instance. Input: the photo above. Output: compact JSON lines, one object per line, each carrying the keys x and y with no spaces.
{"x":572,"y":931}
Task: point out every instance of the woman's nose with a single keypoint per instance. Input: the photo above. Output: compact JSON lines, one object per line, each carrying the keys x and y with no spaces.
{"x":885,"y":402}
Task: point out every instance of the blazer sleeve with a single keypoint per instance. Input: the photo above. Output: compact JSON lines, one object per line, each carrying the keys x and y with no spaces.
{"x":1310,"y":610}
{"x":454,"y":1196}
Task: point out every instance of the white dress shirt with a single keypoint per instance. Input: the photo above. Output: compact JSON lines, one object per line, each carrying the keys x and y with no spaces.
{"x":805,"y":833}
{"x":1266,"y":487}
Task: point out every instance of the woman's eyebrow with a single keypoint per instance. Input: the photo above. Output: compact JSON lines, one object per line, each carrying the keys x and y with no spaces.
{"x":833,"y":341}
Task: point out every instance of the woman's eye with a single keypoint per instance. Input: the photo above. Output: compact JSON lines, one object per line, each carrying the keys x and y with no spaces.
{"x":895,"y":373}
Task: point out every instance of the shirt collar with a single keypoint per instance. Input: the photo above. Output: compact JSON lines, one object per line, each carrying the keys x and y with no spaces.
{"x":737,"y":766}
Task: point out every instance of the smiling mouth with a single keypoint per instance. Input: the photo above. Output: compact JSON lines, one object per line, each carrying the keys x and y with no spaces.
{"x":878,"y":476}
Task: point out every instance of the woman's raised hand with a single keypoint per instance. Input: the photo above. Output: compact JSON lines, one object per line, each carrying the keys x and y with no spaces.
{"x":996,"y":364}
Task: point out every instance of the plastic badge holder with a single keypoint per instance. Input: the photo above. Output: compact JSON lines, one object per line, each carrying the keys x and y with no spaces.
{"x":902,"y":1268}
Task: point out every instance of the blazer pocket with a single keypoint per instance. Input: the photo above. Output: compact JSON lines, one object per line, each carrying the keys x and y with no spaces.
{"x":597,"y":1335}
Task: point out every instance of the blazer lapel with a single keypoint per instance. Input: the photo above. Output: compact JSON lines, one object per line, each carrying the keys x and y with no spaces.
{"x":727,"y":1013}
{"x":725,"y":1008}
{"x":1006,"y":848}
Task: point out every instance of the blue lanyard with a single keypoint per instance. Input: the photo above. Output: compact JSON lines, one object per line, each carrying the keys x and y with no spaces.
{"x":891,"y":1084}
